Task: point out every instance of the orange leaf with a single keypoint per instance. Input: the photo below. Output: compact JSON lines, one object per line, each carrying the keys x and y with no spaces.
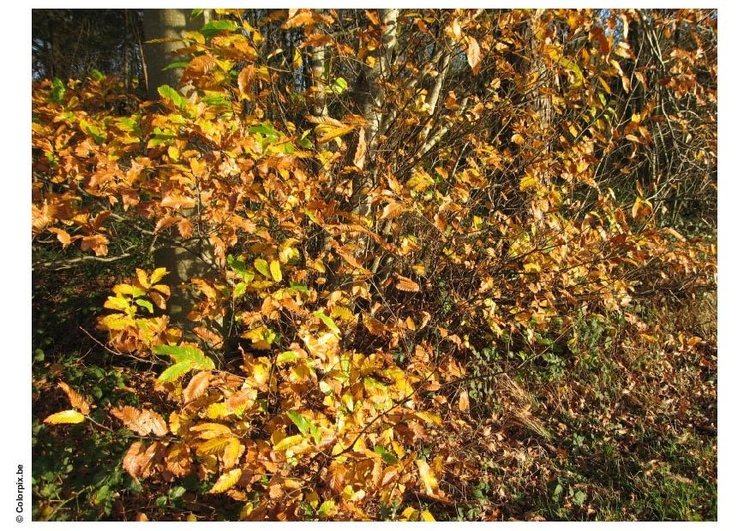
{"x":143,"y":422}
{"x":405,"y":284}
{"x":245,"y":79}
{"x":76,"y":400}
{"x":392,"y":210}
{"x":62,"y":236}
{"x":197,"y":386}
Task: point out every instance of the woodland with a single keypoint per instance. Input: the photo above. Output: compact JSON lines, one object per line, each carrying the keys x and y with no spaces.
{"x":374,"y":264}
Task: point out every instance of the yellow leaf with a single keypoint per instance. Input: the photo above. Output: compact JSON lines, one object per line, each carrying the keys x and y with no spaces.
{"x":226,"y":481}
{"x":427,"y":516}
{"x":232,"y":452}
{"x":209,"y":430}
{"x":158,"y":274}
{"x":427,"y":476}
{"x":517,"y":139}
{"x":275,"y":270}
{"x":142,"y":278}
{"x":71,"y":416}
{"x":288,"y":442}
{"x":213,"y":446}
{"x":532,"y":267}
{"x":527,"y":181}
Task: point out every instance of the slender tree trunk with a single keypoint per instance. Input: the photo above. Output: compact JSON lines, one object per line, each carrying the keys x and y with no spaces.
{"x":183,"y":259}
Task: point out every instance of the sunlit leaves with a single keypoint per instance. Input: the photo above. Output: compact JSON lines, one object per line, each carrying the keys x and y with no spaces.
{"x":70,"y":416}
{"x":185,"y":358}
{"x":172,"y":95}
{"x":358,"y":261}
{"x":226,"y":481}
{"x":143,"y":422}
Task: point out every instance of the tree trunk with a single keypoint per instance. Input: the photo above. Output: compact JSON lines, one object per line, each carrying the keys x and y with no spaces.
{"x":184,"y":259}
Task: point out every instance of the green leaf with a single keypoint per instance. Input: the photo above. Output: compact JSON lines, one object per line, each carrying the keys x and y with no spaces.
{"x":165,"y":91}
{"x":262,"y":266}
{"x":96,"y":74}
{"x":239,"y":290}
{"x":340,"y":85}
{"x":287,"y":356}
{"x":175,"y":371}
{"x":387,"y":456}
{"x":58,"y":90}
{"x":300,"y":421}
{"x":266,"y":131}
{"x":328,"y":321}
{"x":176,"y":64}
{"x":102,"y":494}
{"x":294,"y":286}
{"x":216,"y":26}
{"x":326,"y":507}
{"x":183,"y":353}
{"x":143,"y":303}
{"x":217,"y":100}
{"x":305,"y":142}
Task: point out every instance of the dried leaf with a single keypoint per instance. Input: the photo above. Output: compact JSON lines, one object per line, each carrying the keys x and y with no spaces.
{"x":405,"y":284}
{"x":76,"y":400}
{"x":197,"y":386}
{"x":359,"y":155}
{"x":473,"y":54}
{"x":143,"y":422}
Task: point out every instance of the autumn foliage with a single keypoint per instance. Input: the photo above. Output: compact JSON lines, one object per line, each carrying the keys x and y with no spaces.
{"x":526,"y":168}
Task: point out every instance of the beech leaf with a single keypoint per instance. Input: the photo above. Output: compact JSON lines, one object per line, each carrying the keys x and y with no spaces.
{"x":226,"y":481}
{"x":70,"y":416}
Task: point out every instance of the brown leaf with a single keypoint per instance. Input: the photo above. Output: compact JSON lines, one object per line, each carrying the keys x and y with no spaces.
{"x":392,"y":210}
{"x":76,"y":400}
{"x":178,"y":460}
{"x":133,"y":461}
{"x":245,"y":80}
{"x":359,"y":156}
{"x":143,"y":422}
{"x":405,"y":284}
{"x":197,"y":386}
